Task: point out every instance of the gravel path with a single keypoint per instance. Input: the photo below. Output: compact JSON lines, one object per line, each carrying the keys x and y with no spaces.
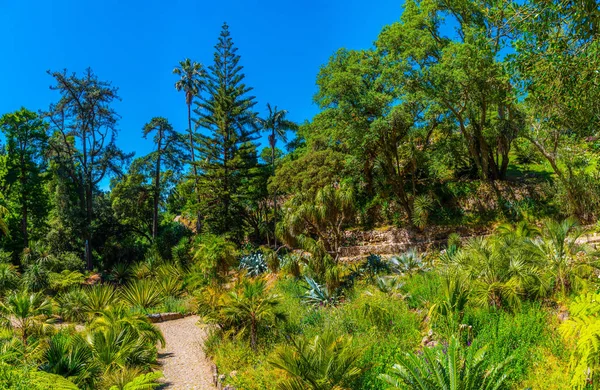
{"x":184,"y":365}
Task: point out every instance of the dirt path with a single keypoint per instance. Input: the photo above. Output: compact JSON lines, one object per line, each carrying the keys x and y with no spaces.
{"x":184,"y":365}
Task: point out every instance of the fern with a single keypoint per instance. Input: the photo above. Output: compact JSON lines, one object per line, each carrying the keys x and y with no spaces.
{"x":582,"y":329}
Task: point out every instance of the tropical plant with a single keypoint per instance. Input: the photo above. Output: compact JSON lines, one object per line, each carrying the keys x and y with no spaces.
{"x":99,"y":297}
{"x":191,"y":81}
{"x":28,"y":312}
{"x":65,"y":280}
{"x":120,"y":273}
{"x":277,"y":124}
{"x":249,"y":306}
{"x":132,"y":379}
{"x":142,"y":294}
{"x":318,"y":294}
{"x":254,"y":264}
{"x":566,"y":257}
{"x":73,"y":305}
{"x":327,"y":362}
{"x":453,"y":367}
{"x":136,"y":324}
{"x":582,"y":331}
{"x":68,"y":354}
{"x":409,"y":263}
{"x":323,"y":216}
{"x":375,"y":265}
{"x":448,"y":312}
{"x":9,"y":277}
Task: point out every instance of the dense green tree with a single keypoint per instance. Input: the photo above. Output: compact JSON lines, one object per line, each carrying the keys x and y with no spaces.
{"x":85,"y":129}
{"x":226,"y":112}
{"x":167,"y":155}
{"x":556,"y":65}
{"x":23,"y":181}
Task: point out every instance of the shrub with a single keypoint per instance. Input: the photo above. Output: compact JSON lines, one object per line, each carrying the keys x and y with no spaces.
{"x":141,"y":294}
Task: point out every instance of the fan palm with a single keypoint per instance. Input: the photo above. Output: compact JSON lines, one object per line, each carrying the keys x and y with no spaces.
{"x":251,"y":305}
{"x":28,"y":312}
{"x":565,"y":256}
{"x":277,"y":124}
{"x":326,"y":362}
{"x":69,"y":355}
{"x":454,"y":368}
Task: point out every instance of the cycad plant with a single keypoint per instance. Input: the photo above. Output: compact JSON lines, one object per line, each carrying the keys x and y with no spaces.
{"x":251,"y":305}
{"x":28,"y":312}
{"x":326,"y":362}
{"x":451,"y":367}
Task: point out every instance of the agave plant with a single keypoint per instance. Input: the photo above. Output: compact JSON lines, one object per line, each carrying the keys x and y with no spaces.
{"x":325,"y":362}
{"x":453,"y":368}
{"x":142,"y":294}
{"x":319,"y":295}
{"x":375,"y":265}
{"x":254,"y":263}
{"x":408,"y":263}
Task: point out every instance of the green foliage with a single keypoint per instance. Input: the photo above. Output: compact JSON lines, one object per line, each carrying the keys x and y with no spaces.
{"x":141,"y":294}
{"x":582,"y":330}
{"x":213,"y":256}
{"x":326,"y":362}
{"x":254,"y":264}
{"x":453,"y":367}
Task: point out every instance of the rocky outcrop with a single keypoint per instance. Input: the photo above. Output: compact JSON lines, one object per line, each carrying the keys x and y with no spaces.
{"x":162,"y":317}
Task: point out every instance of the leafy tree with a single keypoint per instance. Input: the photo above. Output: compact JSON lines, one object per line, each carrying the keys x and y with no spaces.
{"x":83,"y":143}
{"x":227,"y":113}
{"x":168,"y":153}
{"x":326,"y":362}
{"x":457,"y":368}
{"x":459,"y":78}
{"x":132,"y":201}
{"x":25,"y":135}
{"x":555,"y":41}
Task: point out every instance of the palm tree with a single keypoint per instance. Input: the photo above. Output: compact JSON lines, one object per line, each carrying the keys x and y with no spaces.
{"x":454,"y":368}
{"x":249,"y":306}
{"x":191,"y":75}
{"x":326,"y":362}
{"x":277,"y":124}
{"x":566,"y":257}
{"x":28,"y":312}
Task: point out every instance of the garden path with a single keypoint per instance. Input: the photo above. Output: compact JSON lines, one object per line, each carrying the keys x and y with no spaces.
{"x":183,"y":362}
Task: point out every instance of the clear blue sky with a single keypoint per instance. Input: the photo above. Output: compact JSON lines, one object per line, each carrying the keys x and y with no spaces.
{"x":136,"y":45}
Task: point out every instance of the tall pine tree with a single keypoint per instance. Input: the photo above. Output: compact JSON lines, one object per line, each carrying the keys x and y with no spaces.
{"x":226,"y":112}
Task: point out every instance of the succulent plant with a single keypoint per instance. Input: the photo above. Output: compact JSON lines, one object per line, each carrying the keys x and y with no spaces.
{"x":254,"y":263}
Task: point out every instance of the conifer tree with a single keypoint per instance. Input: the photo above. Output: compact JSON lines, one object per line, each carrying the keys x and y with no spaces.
{"x":226,"y":113}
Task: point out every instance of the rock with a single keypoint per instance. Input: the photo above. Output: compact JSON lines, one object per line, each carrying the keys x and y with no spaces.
{"x":154,"y":318}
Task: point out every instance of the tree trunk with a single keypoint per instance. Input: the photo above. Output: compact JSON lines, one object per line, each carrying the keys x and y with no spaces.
{"x":24,"y":211}
{"x":275,"y":192}
{"x":156,"y":196}
{"x":194,"y":168}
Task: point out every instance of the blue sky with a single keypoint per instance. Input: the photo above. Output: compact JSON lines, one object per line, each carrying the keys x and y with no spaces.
{"x":136,"y":45}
